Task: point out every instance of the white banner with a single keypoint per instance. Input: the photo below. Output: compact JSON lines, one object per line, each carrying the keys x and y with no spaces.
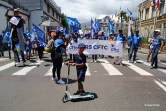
{"x":100,"y":47}
{"x":14,"y":20}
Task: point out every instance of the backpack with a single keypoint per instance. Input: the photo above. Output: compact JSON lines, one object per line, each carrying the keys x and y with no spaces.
{"x":50,"y":46}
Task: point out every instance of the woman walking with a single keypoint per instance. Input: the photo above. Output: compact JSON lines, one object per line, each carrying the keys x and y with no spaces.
{"x":59,"y":47}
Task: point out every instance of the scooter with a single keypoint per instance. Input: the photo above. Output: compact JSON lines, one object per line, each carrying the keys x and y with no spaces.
{"x":68,"y":96}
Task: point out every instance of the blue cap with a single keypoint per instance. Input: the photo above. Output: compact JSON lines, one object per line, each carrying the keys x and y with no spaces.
{"x":136,"y":30}
{"x":81,"y":45}
{"x":58,"y":31}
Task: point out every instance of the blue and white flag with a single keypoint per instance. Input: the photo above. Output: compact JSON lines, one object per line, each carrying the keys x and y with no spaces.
{"x":6,"y":35}
{"x":28,"y":33}
{"x":38,"y":34}
{"x":130,"y":13}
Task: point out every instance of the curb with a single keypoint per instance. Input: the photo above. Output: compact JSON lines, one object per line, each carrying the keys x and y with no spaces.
{"x":143,"y":52}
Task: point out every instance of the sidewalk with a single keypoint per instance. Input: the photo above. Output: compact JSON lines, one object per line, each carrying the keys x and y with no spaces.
{"x":146,"y":51}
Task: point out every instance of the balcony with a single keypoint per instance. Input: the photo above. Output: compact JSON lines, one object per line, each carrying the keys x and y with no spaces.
{"x":16,"y":5}
{"x":54,"y":5}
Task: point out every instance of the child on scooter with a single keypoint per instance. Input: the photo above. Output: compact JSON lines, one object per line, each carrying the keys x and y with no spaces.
{"x":79,"y":61}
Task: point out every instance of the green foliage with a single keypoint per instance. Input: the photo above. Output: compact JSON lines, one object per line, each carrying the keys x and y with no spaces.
{"x":145,"y":40}
{"x":64,"y":21}
{"x":123,"y":15}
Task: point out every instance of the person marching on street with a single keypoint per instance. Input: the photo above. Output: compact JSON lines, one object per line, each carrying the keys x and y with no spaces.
{"x":150,"y":41}
{"x":101,"y":38}
{"x":136,"y":44}
{"x":94,"y":57}
{"x":57,"y":58}
{"x":73,"y":40}
{"x":17,"y":35}
{"x":120,"y":38}
{"x":130,"y":38}
{"x":158,"y":45}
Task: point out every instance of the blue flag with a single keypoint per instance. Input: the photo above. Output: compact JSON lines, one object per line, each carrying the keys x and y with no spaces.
{"x":28,"y":33}
{"x":6,"y":35}
{"x":130,"y":13}
{"x":38,"y":34}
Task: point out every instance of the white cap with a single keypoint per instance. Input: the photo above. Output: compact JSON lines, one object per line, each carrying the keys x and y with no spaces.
{"x":158,"y":30}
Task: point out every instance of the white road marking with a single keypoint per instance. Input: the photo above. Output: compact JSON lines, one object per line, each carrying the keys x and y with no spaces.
{"x":162,"y":82}
{"x":49,"y":72}
{"x":27,"y":69}
{"x":109,"y":67}
{"x":160,"y":85}
{"x":3,"y":59}
{"x":148,"y":64}
{"x":6,"y":66}
{"x":138,"y":70}
{"x":88,"y":71}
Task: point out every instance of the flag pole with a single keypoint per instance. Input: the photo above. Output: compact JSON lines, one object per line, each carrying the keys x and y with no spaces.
{"x":141,"y":18}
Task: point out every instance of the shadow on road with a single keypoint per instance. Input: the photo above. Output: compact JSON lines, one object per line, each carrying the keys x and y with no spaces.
{"x":87,"y":99}
{"x":70,"y":81}
{"x":163,"y":61}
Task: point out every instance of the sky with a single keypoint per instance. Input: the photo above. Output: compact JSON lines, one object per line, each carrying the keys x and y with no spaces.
{"x":84,"y":10}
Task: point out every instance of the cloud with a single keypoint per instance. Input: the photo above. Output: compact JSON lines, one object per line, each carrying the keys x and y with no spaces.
{"x":84,"y":10}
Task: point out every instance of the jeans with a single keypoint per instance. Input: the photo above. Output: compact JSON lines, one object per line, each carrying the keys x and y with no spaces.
{"x":94,"y":57}
{"x":1,"y":50}
{"x":16,"y":56}
{"x":155,"y":58}
{"x":133,"y":48}
{"x":40,"y":52}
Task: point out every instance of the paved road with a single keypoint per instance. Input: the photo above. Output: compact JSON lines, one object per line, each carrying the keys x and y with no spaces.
{"x":132,"y":87}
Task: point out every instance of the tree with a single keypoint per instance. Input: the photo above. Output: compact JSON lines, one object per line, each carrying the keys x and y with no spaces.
{"x":64,"y":21}
{"x":122,"y":15}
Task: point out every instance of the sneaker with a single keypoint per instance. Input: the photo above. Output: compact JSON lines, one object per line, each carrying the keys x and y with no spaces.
{"x":77,"y":93}
{"x":135,"y":62}
{"x":60,"y":81}
{"x":55,"y":79}
{"x":92,"y":61}
{"x":129,"y":61}
{"x":82,"y":93}
{"x":151,"y":67}
{"x":95,"y":61}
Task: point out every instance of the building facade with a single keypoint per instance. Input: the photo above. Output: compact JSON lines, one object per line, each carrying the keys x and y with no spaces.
{"x":149,"y":20}
{"x":42,"y":10}
{"x":4,"y":5}
{"x":116,"y":21}
{"x":33,"y":11}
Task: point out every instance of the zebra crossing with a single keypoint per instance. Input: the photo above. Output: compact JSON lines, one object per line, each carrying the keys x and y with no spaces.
{"x":103,"y":64}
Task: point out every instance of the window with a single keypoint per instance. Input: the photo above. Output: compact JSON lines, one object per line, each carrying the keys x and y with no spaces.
{"x":48,"y":8}
{"x":56,"y":15}
{"x":53,"y":12}
{"x":139,"y":15}
{"x":59,"y":18}
{"x":147,"y":14}
{"x":162,"y":8}
{"x":153,"y":12}
{"x":104,"y":20}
